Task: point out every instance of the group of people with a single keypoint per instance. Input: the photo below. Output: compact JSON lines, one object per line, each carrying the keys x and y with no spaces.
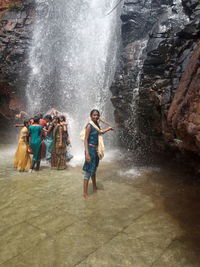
{"x":51,"y":134}
{"x":43,"y":138}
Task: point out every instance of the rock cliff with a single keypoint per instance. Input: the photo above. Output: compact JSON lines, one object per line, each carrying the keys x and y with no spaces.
{"x":156,"y":86}
{"x":15,"y":35}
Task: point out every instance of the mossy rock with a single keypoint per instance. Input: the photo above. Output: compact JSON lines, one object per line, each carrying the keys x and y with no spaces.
{"x":15,"y":7}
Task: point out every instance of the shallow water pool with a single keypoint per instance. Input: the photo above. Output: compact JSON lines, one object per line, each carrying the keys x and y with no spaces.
{"x":145,"y":216}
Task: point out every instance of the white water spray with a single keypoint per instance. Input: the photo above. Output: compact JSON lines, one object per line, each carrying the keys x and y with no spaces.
{"x":72,"y":58}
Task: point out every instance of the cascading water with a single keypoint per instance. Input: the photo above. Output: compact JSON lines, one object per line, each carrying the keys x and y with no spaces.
{"x":72,"y":58}
{"x":132,"y":123}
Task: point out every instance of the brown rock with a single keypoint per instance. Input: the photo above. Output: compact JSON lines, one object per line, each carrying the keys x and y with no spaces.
{"x":15,"y":103}
{"x":5,"y":4}
{"x":184,"y":113}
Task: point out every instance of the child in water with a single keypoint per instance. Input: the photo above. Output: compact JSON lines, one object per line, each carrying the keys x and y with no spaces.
{"x":92,"y":150}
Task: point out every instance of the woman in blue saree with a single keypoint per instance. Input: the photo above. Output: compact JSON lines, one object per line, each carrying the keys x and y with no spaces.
{"x":49,"y":137}
{"x":91,"y":156}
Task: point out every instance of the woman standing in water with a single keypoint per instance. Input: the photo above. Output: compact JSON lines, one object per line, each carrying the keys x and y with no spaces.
{"x":49,"y":137}
{"x":92,"y":150}
{"x":65,"y":130}
{"x":58,"y":155}
{"x":22,"y":160}
{"x":35,"y":132}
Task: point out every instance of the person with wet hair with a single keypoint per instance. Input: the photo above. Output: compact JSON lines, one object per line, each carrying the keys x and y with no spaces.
{"x":93,"y":151}
{"x":31,"y":121}
{"x":42,"y":121}
{"x":65,"y":131}
{"x":49,"y":136}
{"x":58,"y":155}
{"x":35,"y":132}
{"x":66,"y":139}
{"x":22,"y":160}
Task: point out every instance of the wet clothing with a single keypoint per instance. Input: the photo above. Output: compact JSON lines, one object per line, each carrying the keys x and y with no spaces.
{"x":58,"y":155}
{"x":43,"y":123}
{"x":22,"y":160}
{"x":49,"y":141}
{"x":90,"y":167}
{"x":36,"y":141}
{"x":65,"y":136}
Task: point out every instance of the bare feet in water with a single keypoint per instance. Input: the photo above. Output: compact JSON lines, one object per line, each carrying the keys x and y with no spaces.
{"x":88,"y":197}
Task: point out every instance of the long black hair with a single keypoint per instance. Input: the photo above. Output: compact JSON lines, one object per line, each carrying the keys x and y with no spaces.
{"x":48,"y":117}
{"x":36,"y":119}
{"x":25,"y":123}
{"x":40,"y":115}
{"x":62,"y":118}
{"x":56,"y":118}
{"x":94,"y":110}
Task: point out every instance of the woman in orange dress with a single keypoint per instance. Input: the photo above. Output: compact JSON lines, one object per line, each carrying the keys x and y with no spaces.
{"x":22,"y":160}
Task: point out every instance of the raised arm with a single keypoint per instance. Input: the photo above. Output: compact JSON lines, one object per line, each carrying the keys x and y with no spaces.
{"x":107,"y":130}
{"x":24,"y":113}
{"x":49,"y":129}
{"x":105,"y":122}
{"x":18,"y":125}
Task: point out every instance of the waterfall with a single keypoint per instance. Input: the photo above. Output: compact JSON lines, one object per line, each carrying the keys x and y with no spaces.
{"x":72,"y":57}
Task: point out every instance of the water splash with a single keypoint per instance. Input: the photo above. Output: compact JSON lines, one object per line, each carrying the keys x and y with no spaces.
{"x":72,"y":58}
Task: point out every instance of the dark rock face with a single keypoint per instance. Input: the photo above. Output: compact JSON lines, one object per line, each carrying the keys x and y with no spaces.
{"x":189,"y":6}
{"x":16,"y":19}
{"x":15,"y":36}
{"x":169,"y":31}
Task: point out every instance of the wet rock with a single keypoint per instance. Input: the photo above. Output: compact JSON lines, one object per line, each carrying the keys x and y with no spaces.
{"x":184,"y":113}
{"x":14,"y":15}
{"x":10,"y":25}
{"x":15,"y":33}
{"x":190,"y":5}
{"x":15,"y":54}
{"x":169,"y":36}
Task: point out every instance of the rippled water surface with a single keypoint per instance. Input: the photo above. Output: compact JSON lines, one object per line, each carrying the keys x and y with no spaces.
{"x":145,"y":216}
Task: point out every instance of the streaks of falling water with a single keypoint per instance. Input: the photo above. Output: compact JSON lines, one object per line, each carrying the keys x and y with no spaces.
{"x":72,"y":57}
{"x":173,"y":17}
